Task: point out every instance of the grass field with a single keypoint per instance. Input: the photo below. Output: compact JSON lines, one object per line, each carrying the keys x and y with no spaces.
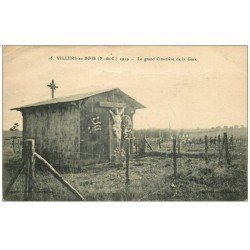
{"x":151,"y":178}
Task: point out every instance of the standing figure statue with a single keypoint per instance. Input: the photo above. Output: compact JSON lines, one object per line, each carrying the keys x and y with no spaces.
{"x":117,"y":122}
{"x":127,"y":127}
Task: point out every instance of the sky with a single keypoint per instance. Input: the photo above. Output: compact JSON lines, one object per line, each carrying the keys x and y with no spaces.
{"x":208,"y":91}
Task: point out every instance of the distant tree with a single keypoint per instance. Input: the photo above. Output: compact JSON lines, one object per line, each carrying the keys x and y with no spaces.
{"x":236,"y":126}
{"x":14,"y":127}
{"x":225,"y":127}
{"x":218,"y":127}
{"x":242,"y":126}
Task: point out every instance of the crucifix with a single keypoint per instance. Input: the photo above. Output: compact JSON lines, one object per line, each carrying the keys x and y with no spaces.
{"x":52,"y":86}
{"x":115,"y":110}
{"x":116,"y":115}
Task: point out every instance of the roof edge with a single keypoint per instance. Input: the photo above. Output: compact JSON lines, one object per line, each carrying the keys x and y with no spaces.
{"x":78,"y":97}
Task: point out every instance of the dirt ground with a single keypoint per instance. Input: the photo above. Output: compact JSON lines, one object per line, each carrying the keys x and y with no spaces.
{"x":151,"y":178}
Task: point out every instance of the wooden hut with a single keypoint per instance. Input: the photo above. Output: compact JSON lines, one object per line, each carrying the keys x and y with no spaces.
{"x":81,"y":129}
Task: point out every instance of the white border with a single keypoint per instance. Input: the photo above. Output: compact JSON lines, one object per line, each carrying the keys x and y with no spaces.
{"x":148,"y":225}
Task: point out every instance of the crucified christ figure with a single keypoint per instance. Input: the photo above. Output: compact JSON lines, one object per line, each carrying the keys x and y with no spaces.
{"x":117,"y":121}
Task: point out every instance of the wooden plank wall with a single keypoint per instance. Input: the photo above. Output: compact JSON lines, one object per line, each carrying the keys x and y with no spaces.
{"x":56,"y":131}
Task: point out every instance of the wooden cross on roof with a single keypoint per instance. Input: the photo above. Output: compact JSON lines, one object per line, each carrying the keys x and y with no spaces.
{"x":52,"y":86}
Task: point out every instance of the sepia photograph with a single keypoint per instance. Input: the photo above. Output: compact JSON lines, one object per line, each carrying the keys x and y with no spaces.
{"x":125,"y":123}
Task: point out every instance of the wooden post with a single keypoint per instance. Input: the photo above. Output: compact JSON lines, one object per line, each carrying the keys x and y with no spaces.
{"x":30,"y":173}
{"x":174,"y":158}
{"x":219,"y":146}
{"x":141,"y":146}
{"x":160,"y":139}
{"x":215,"y":142}
{"x":222,"y":145}
{"x":179,"y":146}
{"x":166,"y":166}
{"x":231,"y":140}
{"x":148,"y":144}
{"x":110,"y":139}
{"x":206,"y":149}
{"x":127,"y":148}
{"x":225,"y":139}
{"x":132,"y":146}
{"x":144,"y":145}
{"x":166,"y":154}
{"x":26,"y":163}
{"x":13,"y":144}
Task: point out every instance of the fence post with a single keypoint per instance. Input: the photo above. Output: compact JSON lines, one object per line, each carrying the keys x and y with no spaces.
{"x":222,"y":145}
{"x":225,"y":139}
{"x":206,"y":149}
{"x":26,"y":163}
{"x":174,"y":158}
{"x":166,"y":154}
{"x":127,"y":148}
{"x":159,"y":140}
{"x":179,"y":146}
{"x":144,"y":145}
{"x":30,"y":174}
{"x":231,"y":141}
{"x":13,"y":143}
{"x":131,"y":145}
{"x":219,"y":146}
{"x":166,"y":165}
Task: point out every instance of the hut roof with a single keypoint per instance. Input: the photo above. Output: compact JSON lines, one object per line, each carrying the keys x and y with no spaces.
{"x":77,"y":97}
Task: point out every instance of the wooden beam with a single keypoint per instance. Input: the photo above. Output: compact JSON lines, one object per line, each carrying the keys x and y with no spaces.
{"x":110,"y":138}
{"x":30,"y":148}
{"x":225,"y":139}
{"x":174,"y":158}
{"x":206,"y":149}
{"x":59,"y":177}
{"x":148,"y":144}
{"x":13,"y":180}
{"x":112,"y":105}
